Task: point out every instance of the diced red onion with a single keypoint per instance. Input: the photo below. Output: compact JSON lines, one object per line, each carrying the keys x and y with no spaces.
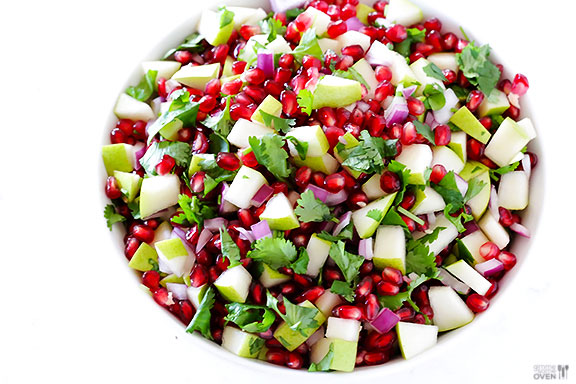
{"x":203,"y":239}
{"x":171,"y":85}
{"x":326,"y":226}
{"x":163,"y":213}
{"x":385,"y":320}
{"x":461,"y":184}
{"x":445,"y":113}
{"x":336,"y":198}
{"x":450,"y":281}
{"x":319,"y":334}
{"x":281,"y":6}
{"x":139,"y":151}
{"x":397,"y":111}
{"x":180,"y":233}
{"x":366,"y":248}
{"x":178,"y":290}
{"x":354,"y":24}
{"x":343,"y":140}
{"x":225,"y":205}
{"x":490,"y":267}
{"x":407,"y":92}
{"x":430,"y":120}
{"x":261,"y":230}
{"x":344,"y":221}
{"x":215,"y":224}
{"x":319,"y":193}
{"x":245,"y":234}
{"x":514,"y":99}
{"x":527,"y":166}
{"x":493,"y":204}
{"x":470,"y":227}
{"x":520,"y":229}
{"x":156,"y":105}
{"x":265,"y":62}
{"x":262,"y":195}
{"x":378,"y":54}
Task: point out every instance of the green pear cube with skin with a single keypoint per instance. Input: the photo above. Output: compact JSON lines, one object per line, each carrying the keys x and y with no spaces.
{"x":362,"y":12}
{"x":165,"y":68}
{"x":365,"y":70}
{"x":327,"y":302}
{"x":508,"y":140}
{"x":241,"y":343}
{"x":198,"y":76}
{"x":344,"y":358}
{"x":318,"y":251}
{"x":118,"y":157}
{"x":325,"y":163}
{"x":403,"y":12}
{"x":450,"y":311}
{"x":170,"y":130}
{"x":320,"y":20}
{"x":163,"y":232}
{"x":380,"y":54}
{"x":209,"y":27}
{"x":145,"y":258}
{"x":448,"y":158}
{"x":366,"y":225}
{"x":354,"y":38}
{"x":372,"y":187}
{"x":128,"y":107}
{"x":473,"y":242}
{"x":466,"y":121}
{"x":417,"y":158}
{"x":227,"y":70}
{"x":335,"y":92}
{"x":158,"y":193}
{"x":469,"y":276}
{"x":292,"y":339}
{"x":312,"y":135}
{"x":417,"y":68}
{"x":172,"y":278}
{"x":458,"y":145}
{"x":513,"y":190}
{"x":248,"y":53}
{"x":428,"y":201}
{"x":414,"y":339}
{"x":279,"y":213}
{"x":269,"y":105}
{"x":496,"y":104}
{"x":390,"y":248}
{"x":197,"y":158}
{"x":195,"y":294}
{"x":494,"y":230}
{"x":174,"y":255}
{"x":327,"y":44}
{"x":244,"y":129}
{"x":343,"y":329}
{"x":244,"y":186}
{"x":247,"y":16}
{"x":271,"y":277}
{"x":445,"y":60}
{"x":445,"y":236}
{"x":479,"y":203}
{"x":234,"y":283}
{"x":279,"y":46}
{"x":129,"y":183}
{"x":473,"y":169}
{"x":351,"y":142}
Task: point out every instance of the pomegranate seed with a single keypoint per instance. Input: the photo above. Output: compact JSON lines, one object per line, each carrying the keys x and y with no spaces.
{"x":247,"y":31}
{"x":243,"y":99}
{"x":512,"y":112}
{"x":277,"y":357}
{"x":505,"y":86}
{"x":318,"y":178}
{"x":334,"y":12}
{"x":387,"y":288}
{"x":415,"y":107}
{"x":151,"y":279}
{"x":255,"y":93}
{"x":474,"y":100}
{"x":333,"y":134}
{"x":396,"y":33}
{"x":450,"y":76}
{"x":309,"y":61}
{"x":288,"y":289}
{"x":486,"y":122}
{"x":390,"y":182}
{"x":357,"y":200}
{"x":214,"y":245}
{"x":294,"y":360}
{"x":219,"y":53}
{"x":249,"y":159}
{"x":366,"y":268}
{"x":320,"y":5}
{"x":183,"y":57}
{"x":117,"y":136}
{"x":289,"y":103}
{"x":331,"y":275}
{"x":286,"y":61}
{"x":327,"y":116}
{"x":520,"y":85}
{"x":232,"y":87}
{"x":313,"y":294}
{"x":186,"y":311}
{"x":383,"y":73}
{"x":419,"y":319}
{"x":303,"y":22}
{"x":204,"y":257}
{"x":493,"y":289}
{"x":374,"y":358}
{"x":449,"y":41}
{"x":442,"y":134}
{"x":197,"y":182}
{"x":143,"y":233}
{"x":371,"y":306}
{"x":257,"y":293}
{"x":364,"y":287}
{"x":239,"y":111}
{"x":392,"y":275}
{"x":477,"y":303}
{"x":408,"y":201}
{"x":475,"y":149}
{"x":165,"y":166}
{"x":113,"y":190}
{"x":508,"y":259}
{"x":228,"y":161}
{"x":207,"y":103}
{"x":302,"y":280}
{"x":409,"y":134}
{"x":246,"y":218}
{"x":383,"y":90}
{"x":347,"y":11}
{"x":348,"y":312}
{"x":354,"y":129}
{"x":433,"y":24}
{"x":152,"y":223}
{"x":533,"y":159}
{"x":405,"y":313}
{"x":356,"y":51}
{"x":434,"y":38}
{"x":336,"y":29}
{"x":334,"y":183}
{"x":238,"y":67}
{"x":185,"y":134}
{"x":344,"y":63}
{"x":162,"y":297}
{"x":282,"y":75}
{"x":280,"y":187}
{"x":131,"y":247}
{"x":460,"y":45}
{"x":199,"y":276}
{"x":200,"y":144}
{"x":438,"y":173}
{"x":489,"y":250}
{"x":273,"y":87}
{"x":302,"y":176}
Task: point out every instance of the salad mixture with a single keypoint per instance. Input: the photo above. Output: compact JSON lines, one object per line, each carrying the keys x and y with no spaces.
{"x":325,"y":186}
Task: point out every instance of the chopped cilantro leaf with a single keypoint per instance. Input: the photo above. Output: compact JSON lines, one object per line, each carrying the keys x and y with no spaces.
{"x":276,"y":252}
{"x":192,"y":43}
{"x":479,"y":70}
{"x":324,"y":364}
{"x":278,"y":123}
{"x":348,"y":263}
{"x":181,"y":108}
{"x":201,"y":320}
{"x":230,"y":250}
{"x":433,"y":71}
{"x":308,"y":46}
{"x":297,"y":317}
{"x":368,"y":156}
{"x":475,"y":186}
{"x":301,"y":264}
{"x":194,"y":211}
{"x":269,"y":152}
{"x":250,"y":318}
{"x":414,"y":36}
{"x":396,"y":301}
{"x":111,"y":216}
{"x":343,"y":289}
{"x":375,"y":214}
{"x":272,"y":27}
{"x":312,"y":209}
{"x":457,"y":220}
{"x":145,"y":88}
{"x":214,"y":174}
{"x":345,"y":234}
{"x":301,"y":146}
{"x":435,"y":98}
{"x":419,"y":259}
{"x":305,"y":99}
{"x":351,"y":74}
{"x":226,"y":16}
{"x":221,"y":122}
{"x":425,"y":131}
{"x":179,"y":151}
{"x":496,"y":173}
{"x":449,"y":191}
{"x":293,"y":13}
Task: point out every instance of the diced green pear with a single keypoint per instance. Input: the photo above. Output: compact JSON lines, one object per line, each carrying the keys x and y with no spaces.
{"x":466,"y":121}
{"x":494,"y":230}
{"x":248,"y":53}
{"x":354,"y":38}
{"x":312,"y":135}
{"x":343,"y":329}
{"x":234,"y":283}
{"x":279,"y":45}
{"x":344,"y":358}
{"x":473,"y":242}
{"x":479,"y":203}
{"x":244,"y":186}
{"x":417,"y":158}
{"x":195,"y":294}
{"x":244,"y":129}
{"x":174,"y":255}
{"x":445,"y":236}
{"x":269,"y":105}
{"x":473,"y":169}
{"x":403,"y":12}
{"x":365,"y":70}
{"x":327,"y":302}
{"x":380,"y":54}
{"x":165,"y":68}
{"x":172,"y":278}
{"x":158,"y":193}
{"x":292,"y":339}
{"x":145,"y":258}
{"x":417,"y":68}
{"x":390,"y":248}
{"x":118,"y":157}
{"x":450,"y":311}
{"x":362,"y":12}
{"x":197,"y":158}
{"x":444,"y":60}
{"x":128,"y":107}
{"x":271,"y":277}
{"x":414,"y":339}
{"x":241,"y":343}
{"x":351,"y":142}
{"x":209,"y":27}
{"x":197,"y":76}
{"x":320,"y":20}
{"x":279,"y":213}
{"x":327,"y":44}
{"x":263,"y":352}
{"x":508,"y":140}
{"x":325,"y":163}
{"x":469,"y":276}
{"x":247,"y":16}
{"x":448,"y":158}
{"x":513,"y":190}
{"x":318,"y":250}
{"x":496,"y":104}
{"x":365,"y":225}
{"x":129,"y":183}
{"x":427,"y":201}
{"x":372,"y":187}
{"x":170,"y":130}
{"x":458,"y":144}
{"x":163,"y":232}
{"x":335,"y":92}
{"x":227,"y":70}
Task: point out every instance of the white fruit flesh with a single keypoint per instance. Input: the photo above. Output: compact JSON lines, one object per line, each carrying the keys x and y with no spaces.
{"x":365,"y":225}
{"x":209,"y":27}
{"x":513,"y":190}
{"x":448,"y":158}
{"x":451,"y":281}
{"x":279,"y":213}
{"x":320,"y":20}
{"x":365,"y":70}
{"x":414,"y":339}
{"x":494,"y":231}
{"x":417,"y":68}
{"x":129,"y":183}
{"x":195,"y":294}
{"x":428,"y":201}
{"x":354,"y":38}
{"x":508,"y":140}
{"x":165,"y":68}
{"x":325,"y":163}
{"x":241,"y":343}
{"x":158,"y":193}
{"x":118,"y":157}
{"x":390,"y":248}
{"x":458,"y":145}
{"x":318,"y":250}
{"x":473,"y":242}
{"x":372,"y":187}
{"x":244,"y":186}
{"x":312,"y":135}
{"x":444,"y":60}
{"x":329,"y":44}
{"x":469,"y":276}
{"x":270,"y":277}
{"x":450,"y":311}
{"x":479,"y":203}
{"x":163,"y":232}
{"x":445,"y":236}
{"x":198,"y":76}
{"x":279,"y":45}
{"x":335,"y":92}
{"x":270,"y":106}
{"x":416,"y":157}
{"x":344,"y":329}
{"x":443,"y":115}
{"x":247,"y":16}
{"x":403,"y":12}
{"x":344,"y":358}
{"x":327,"y":302}
{"x":380,"y":54}
{"x":175,"y":256}
{"x":234,"y":283}
{"x":128,"y":107}
{"x":244,"y":129}
{"x":496,"y":104}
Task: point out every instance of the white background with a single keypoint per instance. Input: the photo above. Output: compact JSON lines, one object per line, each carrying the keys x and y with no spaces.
{"x":70,"y":309}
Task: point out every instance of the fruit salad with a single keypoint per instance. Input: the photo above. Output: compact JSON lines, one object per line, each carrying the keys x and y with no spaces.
{"x":322,"y":186}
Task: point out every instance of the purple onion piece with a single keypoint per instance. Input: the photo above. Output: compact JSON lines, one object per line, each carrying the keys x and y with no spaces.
{"x":366,"y":248}
{"x":261,"y":230}
{"x":245,"y":234}
{"x":520,"y":229}
{"x":385,"y":320}
{"x":354,"y":24}
{"x":319,"y":193}
{"x":262,"y":195}
{"x":527,"y":165}
{"x":336,"y":198}
{"x":203,"y":239}
{"x":490,"y":267}
{"x":215,"y":224}
{"x":461,"y":184}
{"x":397,"y":111}
{"x":344,"y":220}
{"x":265,"y":61}
{"x":493,"y":204}
{"x":407,"y":92}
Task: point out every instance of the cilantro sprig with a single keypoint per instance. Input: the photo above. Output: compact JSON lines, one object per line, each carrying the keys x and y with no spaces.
{"x":194,"y":211}
{"x":144,"y":90}
{"x":179,"y":151}
{"x":274,"y":251}
{"x":312,"y":209}
{"x":230,"y":250}
{"x":298,"y":318}
{"x":419,"y":259}
{"x":305,"y":100}
{"x":479,"y":70}
{"x":270,"y":153}
{"x":278,"y":123}
{"x":111,"y":216}
{"x":368,"y":156}
{"x":250,"y":318}
{"x":201,"y":320}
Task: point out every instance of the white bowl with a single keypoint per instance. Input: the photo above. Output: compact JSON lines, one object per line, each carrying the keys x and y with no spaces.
{"x":447,"y":341}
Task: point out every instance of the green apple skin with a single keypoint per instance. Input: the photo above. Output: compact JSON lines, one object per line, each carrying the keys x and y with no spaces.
{"x":312,"y":135}
{"x":366,"y":226}
{"x":269,"y":105}
{"x":172,"y":278}
{"x":344,"y":358}
{"x":195,"y":294}
{"x":170,"y":130}
{"x":198,"y":76}
{"x":458,"y":145}
{"x":450,"y":311}
{"x":130,"y":183}
{"x":365,"y":70}
{"x":479,"y":203}
{"x":270,"y":277}
{"x":496,"y":104}
{"x":414,"y":339}
{"x":209,"y":27}
{"x":390,"y":248}
{"x":279,"y":213}
{"x":291,"y":339}
{"x":335,"y":92}
{"x":196,"y":160}
{"x":241,"y":343}
{"x":117,"y":157}
{"x":234,"y":283}
{"x":466,"y":121}
{"x":326,"y":163}
{"x":145,"y":258}
{"x":362,"y":12}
